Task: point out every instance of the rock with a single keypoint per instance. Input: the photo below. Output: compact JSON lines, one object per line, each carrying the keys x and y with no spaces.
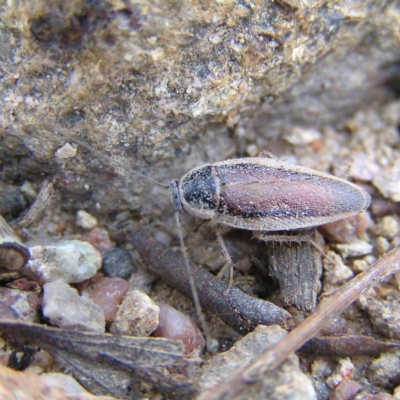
{"x":66,"y":151}
{"x":173,"y":324}
{"x":108,"y":294}
{"x":345,"y":230}
{"x":300,"y":136}
{"x":346,"y":390}
{"x":85,"y":220}
{"x":70,"y":261}
{"x":385,"y":371}
{"x":285,"y":382}
{"x":29,"y":386}
{"x":117,"y":262}
{"x":99,"y":238}
{"x":388,"y":182}
{"x":344,"y":371}
{"x":136,"y":316}
{"x":25,"y":285}
{"x":384,"y":312}
{"x":355,"y":248}
{"x":16,"y":304}
{"x":66,"y":309}
{"x":335,"y":271}
{"x":388,"y":227}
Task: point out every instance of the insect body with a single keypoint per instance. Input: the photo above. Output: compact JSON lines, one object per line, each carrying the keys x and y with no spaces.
{"x":266,"y":194}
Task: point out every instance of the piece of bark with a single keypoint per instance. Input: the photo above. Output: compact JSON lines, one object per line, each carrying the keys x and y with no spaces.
{"x":240,"y":311}
{"x":107,"y":364}
{"x":296,"y":264}
{"x":13,"y":254}
{"x":347,"y":346}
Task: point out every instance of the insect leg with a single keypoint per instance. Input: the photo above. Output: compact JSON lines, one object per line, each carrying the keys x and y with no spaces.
{"x":227,"y":258}
{"x":194,"y":231}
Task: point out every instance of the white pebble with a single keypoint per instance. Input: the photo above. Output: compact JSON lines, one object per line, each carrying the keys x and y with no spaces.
{"x":71,"y":261}
{"x":85,"y":220}
{"x":66,"y":309}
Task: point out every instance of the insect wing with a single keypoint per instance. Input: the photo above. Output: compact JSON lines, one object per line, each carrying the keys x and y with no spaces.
{"x":262,"y":197}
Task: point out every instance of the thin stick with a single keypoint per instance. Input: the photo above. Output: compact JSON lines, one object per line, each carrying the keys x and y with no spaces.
{"x":328,"y":309}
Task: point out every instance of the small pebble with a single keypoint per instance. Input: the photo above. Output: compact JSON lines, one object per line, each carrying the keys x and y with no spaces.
{"x":70,"y":261}
{"x":16,"y":304}
{"x":360,"y":266}
{"x":388,"y":227}
{"x":28,"y":190}
{"x":99,"y":239}
{"x":299,"y":136}
{"x":345,"y":230}
{"x":173,"y":324}
{"x":322,"y":368}
{"x":65,"y":383}
{"x":85,"y":220}
{"x":381,"y":207}
{"x":384,"y":313}
{"x":136,"y":316}
{"x":284,"y":382}
{"x":108,"y":294}
{"x":25,"y":285}
{"x":117,"y":263}
{"x":43,"y":359}
{"x":335,"y":272}
{"x":337,"y":327}
{"x":363,"y":167}
{"x":63,"y":306}
{"x":385,"y":371}
{"x":66,"y":151}
{"x":388,"y":182}
{"x":346,"y":390}
{"x":344,"y":371}
{"x":355,"y":248}
{"x":382,"y":245}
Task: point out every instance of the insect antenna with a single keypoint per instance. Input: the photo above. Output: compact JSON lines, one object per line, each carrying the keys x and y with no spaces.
{"x":189,"y":273}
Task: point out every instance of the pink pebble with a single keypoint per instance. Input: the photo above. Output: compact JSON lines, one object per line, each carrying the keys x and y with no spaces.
{"x":108,"y":294}
{"x":175,"y":325}
{"x":98,"y":237}
{"x":345,"y":230}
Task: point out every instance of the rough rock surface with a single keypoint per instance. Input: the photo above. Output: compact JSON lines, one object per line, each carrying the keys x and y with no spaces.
{"x":94,"y":91}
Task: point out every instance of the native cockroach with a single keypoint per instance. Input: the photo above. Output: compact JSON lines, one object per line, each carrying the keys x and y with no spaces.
{"x":266,"y":194}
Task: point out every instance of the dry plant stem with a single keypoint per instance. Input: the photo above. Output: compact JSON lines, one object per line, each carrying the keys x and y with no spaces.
{"x":36,"y":210}
{"x":347,"y":346}
{"x":329,"y":308}
{"x":240,"y":311}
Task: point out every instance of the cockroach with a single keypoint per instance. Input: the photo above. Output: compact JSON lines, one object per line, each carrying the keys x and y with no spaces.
{"x":265,"y":194}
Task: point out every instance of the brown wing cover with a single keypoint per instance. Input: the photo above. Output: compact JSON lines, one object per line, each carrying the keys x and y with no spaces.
{"x":257,"y":191}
